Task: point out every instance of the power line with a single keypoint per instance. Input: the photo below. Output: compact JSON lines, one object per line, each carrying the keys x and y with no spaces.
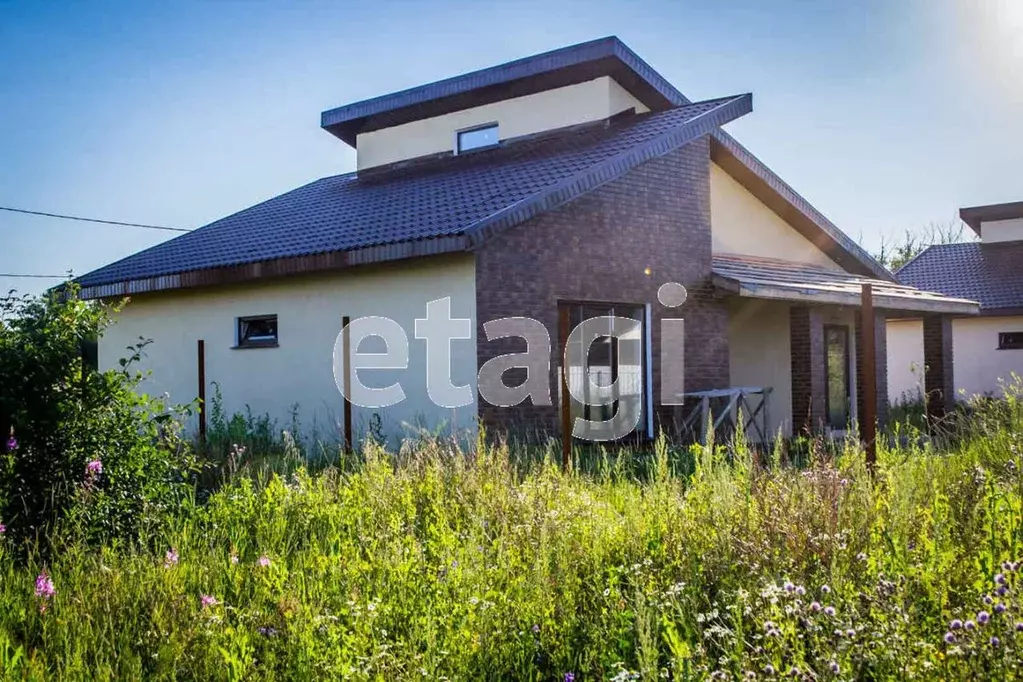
{"x":92,"y":220}
{"x":13,"y":275}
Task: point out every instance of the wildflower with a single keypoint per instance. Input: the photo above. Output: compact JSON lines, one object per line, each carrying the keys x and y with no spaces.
{"x":850,"y":633}
{"x":768,"y":669}
{"x":208,"y":600}
{"x":970,"y":625}
{"x":955,"y":624}
{"x":950,"y":638}
{"x":825,"y":589}
{"x":988,"y":599}
{"x":861,"y":556}
{"x":44,"y":586}
{"x":1000,"y":579}
{"x":815,"y":606}
{"x":170,"y":558}
{"x":569,"y":677}
{"x":1002,"y":591}
{"x":536,"y":629}
{"x":995,"y":642}
{"x":834,"y":667}
{"x":789,"y":587}
{"x":829,"y":610}
{"x":94,"y":468}
{"x":3,"y":529}
{"x":267,"y":631}
{"x":264,"y":561}
{"x":234,"y":558}
{"x":999,"y":608}
{"x":12,"y":442}
{"x":983,"y":617}
{"x":1007,"y":566}
{"x":1019,"y":627}
{"x":800,"y":590}
{"x":838,"y":633}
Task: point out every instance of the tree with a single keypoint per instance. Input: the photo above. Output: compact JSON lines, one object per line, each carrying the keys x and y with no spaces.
{"x":895,"y":253}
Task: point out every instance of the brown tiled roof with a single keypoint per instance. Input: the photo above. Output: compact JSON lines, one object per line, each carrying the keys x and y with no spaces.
{"x":989,"y":273}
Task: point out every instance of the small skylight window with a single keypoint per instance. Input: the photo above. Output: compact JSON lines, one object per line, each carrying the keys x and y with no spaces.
{"x":477,"y":138}
{"x":257,"y":332}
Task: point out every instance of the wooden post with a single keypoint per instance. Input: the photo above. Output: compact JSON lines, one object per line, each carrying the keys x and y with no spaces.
{"x":346,"y":349}
{"x":201,"y":353}
{"x":566,"y":401}
{"x":868,"y":420}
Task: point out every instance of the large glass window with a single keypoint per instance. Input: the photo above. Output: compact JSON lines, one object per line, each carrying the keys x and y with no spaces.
{"x":837,"y":391}
{"x":614,"y":375}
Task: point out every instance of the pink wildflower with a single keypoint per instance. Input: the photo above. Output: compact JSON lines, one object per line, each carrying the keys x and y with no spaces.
{"x":264,"y":561}
{"x":44,"y":586}
{"x":170,"y":558}
{"x":208,"y":600}
{"x":94,"y":468}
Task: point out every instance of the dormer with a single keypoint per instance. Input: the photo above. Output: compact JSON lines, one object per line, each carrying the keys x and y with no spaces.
{"x":996,"y":223}
{"x":567,"y":87}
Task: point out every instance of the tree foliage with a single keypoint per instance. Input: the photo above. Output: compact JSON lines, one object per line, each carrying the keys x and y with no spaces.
{"x":896,"y":252}
{"x":78,"y":444}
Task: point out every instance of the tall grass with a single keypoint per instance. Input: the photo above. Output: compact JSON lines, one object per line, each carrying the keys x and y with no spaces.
{"x":434,"y":563}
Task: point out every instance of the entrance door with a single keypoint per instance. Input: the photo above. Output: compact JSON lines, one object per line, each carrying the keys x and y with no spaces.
{"x":837,"y":392}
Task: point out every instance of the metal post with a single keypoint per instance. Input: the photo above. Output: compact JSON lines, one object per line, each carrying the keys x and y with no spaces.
{"x":201,"y":352}
{"x":346,"y":349}
{"x":868,"y":420}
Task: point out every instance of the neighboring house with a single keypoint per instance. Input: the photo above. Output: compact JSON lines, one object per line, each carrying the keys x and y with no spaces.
{"x":576,"y":180}
{"x":988,"y":348}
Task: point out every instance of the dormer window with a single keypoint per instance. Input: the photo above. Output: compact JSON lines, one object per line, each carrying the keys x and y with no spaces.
{"x":479,"y":137}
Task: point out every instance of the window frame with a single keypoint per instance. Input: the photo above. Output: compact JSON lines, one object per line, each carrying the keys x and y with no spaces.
{"x":239,"y":335}
{"x":472,"y":129}
{"x":1016,"y":343}
{"x":844,"y":329}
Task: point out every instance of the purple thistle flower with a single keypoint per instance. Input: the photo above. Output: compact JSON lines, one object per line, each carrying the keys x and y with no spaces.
{"x":569,"y":677}
{"x":825,"y":589}
{"x":1019,"y":627}
{"x":850,"y":633}
{"x":970,"y":625}
{"x":950,"y":638}
{"x":999,"y":608}
{"x":834,"y":667}
{"x":94,"y":468}
{"x":1007,"y":566}
{"x":1002,"y":591}
{"x":1000,"y":578}
{"x":995,"y":642}
{"x":12,"y":443}
{"x":264,"y":561}
{"x":170,"y":558}
{"x":207,"y":601}
{"x":800,"y":590}
{"x":983,"y":617}
{"x":829,"y":610}
{"x":955,"y":624}
{"x":536,"y":629}
{"x":988,"y":599}
{"x":3,"y":529}
{"x":815,"y":606}
{"x":789,"y":587}
{"x":768,"y":669}
{"x":44,"y":586}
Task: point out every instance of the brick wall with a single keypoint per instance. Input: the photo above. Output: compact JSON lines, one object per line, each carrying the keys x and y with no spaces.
{"x":597,"y":248}
{"x":806,"y":340}
{"x":938,"y":383}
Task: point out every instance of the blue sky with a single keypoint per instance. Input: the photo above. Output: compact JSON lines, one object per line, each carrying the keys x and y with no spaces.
{"x":886,"y":115}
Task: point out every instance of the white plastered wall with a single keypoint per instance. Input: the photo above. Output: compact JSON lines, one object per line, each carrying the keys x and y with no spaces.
{"x":592,"y":100}
{"x":300,"y":371}
{"x":905,"y":360}
{"x":979,"y":365}
{"x":741,"y":224}
{"x":995,"y":231}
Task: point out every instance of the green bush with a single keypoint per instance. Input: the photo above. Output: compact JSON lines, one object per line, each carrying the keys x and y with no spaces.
{"x":85,"y":446}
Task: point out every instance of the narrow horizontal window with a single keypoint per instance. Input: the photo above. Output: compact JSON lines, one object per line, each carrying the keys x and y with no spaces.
{"x":476,"y":138}
{"x":1010,"y":341}
{"x":257,"y":331}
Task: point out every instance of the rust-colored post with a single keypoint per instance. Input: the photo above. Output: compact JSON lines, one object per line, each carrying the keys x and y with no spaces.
{"x":201,"y":352}
{"x":346,"y":350}
{"x":566,"y":402}
{"x":868,"y":420}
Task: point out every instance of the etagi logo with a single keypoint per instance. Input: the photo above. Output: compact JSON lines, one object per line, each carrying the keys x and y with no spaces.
{"x":606,"y":364}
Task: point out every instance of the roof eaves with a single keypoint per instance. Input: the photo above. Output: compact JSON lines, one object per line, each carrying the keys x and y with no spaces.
{"x":610,"y":169}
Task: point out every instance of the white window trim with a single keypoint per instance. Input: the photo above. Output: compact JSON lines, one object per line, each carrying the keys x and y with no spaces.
{"x":470,"y":129}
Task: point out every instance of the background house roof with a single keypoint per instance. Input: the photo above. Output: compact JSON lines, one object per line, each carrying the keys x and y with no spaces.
{"x":448,"y":204}
{"x":772,"y":278}
{"x":975,"y":215}
{"x":557,"y":68}
{"x":989,"y":273}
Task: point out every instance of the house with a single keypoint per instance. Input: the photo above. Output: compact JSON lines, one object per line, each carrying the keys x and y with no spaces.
{"x":987,"y":348}
{"x":564,"y":186}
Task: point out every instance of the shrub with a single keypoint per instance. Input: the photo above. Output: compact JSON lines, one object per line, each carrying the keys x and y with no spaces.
{"x":83,"y":445}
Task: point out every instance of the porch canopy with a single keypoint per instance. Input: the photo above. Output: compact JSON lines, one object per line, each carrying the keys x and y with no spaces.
{"x":782,"y":280}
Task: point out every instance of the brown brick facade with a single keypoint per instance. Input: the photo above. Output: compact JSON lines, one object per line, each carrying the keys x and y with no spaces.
{"x":598,"y":248}
{"x":806,"y":344}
